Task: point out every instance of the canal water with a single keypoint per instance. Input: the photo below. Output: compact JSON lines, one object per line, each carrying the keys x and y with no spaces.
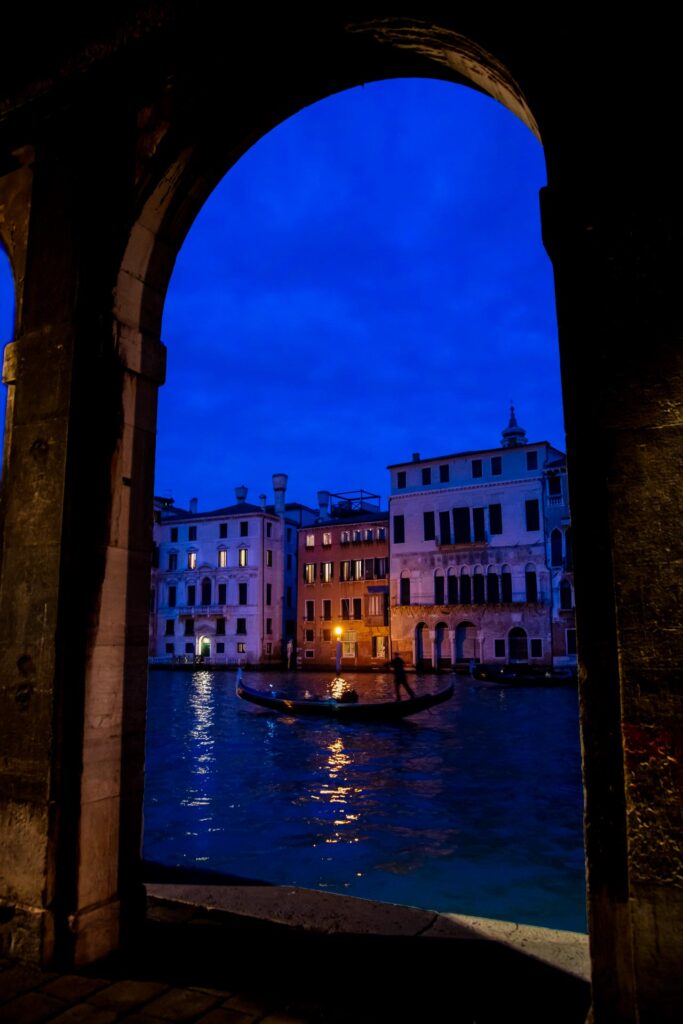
{"x":473,"y":807}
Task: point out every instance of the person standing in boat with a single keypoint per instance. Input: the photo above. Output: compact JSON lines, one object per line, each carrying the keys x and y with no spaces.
{"x":398,"y":666}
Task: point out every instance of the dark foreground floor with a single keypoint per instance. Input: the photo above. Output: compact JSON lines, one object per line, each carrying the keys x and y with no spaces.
{"x":216,"y":967}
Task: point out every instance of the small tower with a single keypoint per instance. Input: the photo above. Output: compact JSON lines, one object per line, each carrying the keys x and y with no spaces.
{"x":513,"y":435}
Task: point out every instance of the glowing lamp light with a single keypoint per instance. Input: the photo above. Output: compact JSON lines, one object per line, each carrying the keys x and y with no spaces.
{"x":338,"y":632}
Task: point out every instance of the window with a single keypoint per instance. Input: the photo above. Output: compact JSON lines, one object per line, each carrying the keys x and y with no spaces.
{"x":478,"y":524}
{"x":344,"y":571}
{"x":189,"y":648}
{"x":222,"y":593}
{"x":310,"y":540}
{"x":310,"y":611}
{"x":192,"y":560}
{"x":357,"y":536}
{"x":192,"y":533}
{"x":426,"y":476}
{"x":222,"y":558}
{"x":404,"y":594}
{"x":310,"y":654}
{"x":532,"y":462}
{"x":399,"y":529}
{"x":326,"y":571}
{"x":269,"y":557}
{"x":496,"y":465}
{"x":309,"y":572}
{"x":492,"y":589}
{"x":242,"y":559}
{"x":478,"y":589}
{"x":495,"y":519}
{"x":368,"y":568}
{"x":555,"y":485}
{"x":241,"y":647}
{"x":327,"y":540}
{"x":401,"y":479}
{"x":345,"y":537}
{"x":269,"y":648}
{"x":465,"y":589}
{"x":220,"y":648}
{"x":170,"y":627}
{"x":289,"y":561}
{"x":206,"y":591}
{"x":189,"y":627}
{"x":222,"y":530}
{"x":476,"y":468}
{"x":444,"y":527}
{"x":289,"y":597}
{"x":368,"y":535}
{"x":565,"y":595}
{"x":571,"y":641}
{"x":220,"y":627}
{"x":172,"y":591}
{"x":327,"y":610}
{"x":506,"y":587}
{"x":532,"y":517}
{"x":556,"y":548}
{"x":309,"y":635}
{"x":381,"y":533}
{"x":269,"y":626}
{"x":174,"y":534}
{"x":439,"y":590}
{"x":518,"y":645}
{"x":244,"y":528}
{"x":379,"y":647}
{"x":269,"y":593}
{"x":289,"y":533}
{"x":461,"y":526}
{"x":172,"y":562}
{"x":429,"y":526}
{"x":269,"y":529}
{"x":531,"y":586}
{"x":242,"y":593}
{"x":170,"y":648}
{"x":345,"y":608}
{"x":536,"y":648}
{"x":444,"y":474}
{"x":349,"y":645}
{"x":381,"y":565}
{"x":241,"y":627}
{"x":191,"y":595}
{"x":452,"y":589}
{"x":499,"y":648}
{"x":357,"y":569}
{"x":376,"y":604}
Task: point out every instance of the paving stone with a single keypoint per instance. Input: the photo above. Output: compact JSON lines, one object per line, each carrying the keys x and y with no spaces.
{"x":223,"y":1015}
{"x":85,"y":1013}
{"x":73,"y":987}
{"x":246,"y":1003}
{"x":126,"y":995}
{"x":222,"y":992}
{"x":18,"y":978}
{"x":181,"y":1004}
{"x":30,"y":1008}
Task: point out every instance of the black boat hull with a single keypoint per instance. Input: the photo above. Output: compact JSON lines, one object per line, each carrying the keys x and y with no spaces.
{"x":523,"y":675}
{"x":380,"y":711}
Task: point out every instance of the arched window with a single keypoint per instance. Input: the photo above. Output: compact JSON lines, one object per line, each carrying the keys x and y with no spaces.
{"x":492,"y":587}
{"x":478,"y":586}
{"x":556,"y":548}
{"x":518,"y":645}
{"x":439,"y":597}
{"x":452,"y":588}
{"x":565,"y":595}
{"x":506,"y":585}
{"x":465,"y":588}
{"x":206,"y":591}
{"x":531,"y":584}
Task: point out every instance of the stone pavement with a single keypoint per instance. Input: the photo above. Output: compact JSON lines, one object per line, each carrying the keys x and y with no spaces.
{"x":278,"y":955}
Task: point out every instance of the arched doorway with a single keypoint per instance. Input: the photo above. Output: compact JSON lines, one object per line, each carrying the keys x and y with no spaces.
{"x":518,"y":645}
{"x":442,"y":654}
{"x":423,"y":660}
{"x":465,"y":642}
{"x":204,"y":646}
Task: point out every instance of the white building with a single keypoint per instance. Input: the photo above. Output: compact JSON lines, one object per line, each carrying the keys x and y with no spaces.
{"x":224,"y":582}
{"x":480,"y":556}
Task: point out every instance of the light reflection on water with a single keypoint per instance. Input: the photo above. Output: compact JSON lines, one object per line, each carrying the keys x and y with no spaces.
{"x":473,"y":807}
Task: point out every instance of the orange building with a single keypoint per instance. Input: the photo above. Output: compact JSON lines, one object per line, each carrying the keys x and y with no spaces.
{"x":344,"y":584}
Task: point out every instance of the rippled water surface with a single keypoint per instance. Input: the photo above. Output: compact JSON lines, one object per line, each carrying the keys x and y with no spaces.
{"x":473,"y":807}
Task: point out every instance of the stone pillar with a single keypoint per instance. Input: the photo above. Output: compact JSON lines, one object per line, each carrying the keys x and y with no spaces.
{"x":74,"y":579}
{"x":618,"y":262}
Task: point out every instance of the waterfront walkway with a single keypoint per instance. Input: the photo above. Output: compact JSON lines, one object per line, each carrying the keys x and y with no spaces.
{"x":278,"y":955}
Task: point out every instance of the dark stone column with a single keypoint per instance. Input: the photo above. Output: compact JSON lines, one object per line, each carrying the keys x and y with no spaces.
{"x":618,"y":260}
{"x":74,"y":581}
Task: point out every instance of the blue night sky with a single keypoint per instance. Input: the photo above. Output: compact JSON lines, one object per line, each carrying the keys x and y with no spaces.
{"x":368,"y":281}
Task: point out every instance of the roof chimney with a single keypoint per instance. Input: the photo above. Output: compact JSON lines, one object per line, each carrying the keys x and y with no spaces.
{"x":323,"y":504}
{"x":279,"y":486}
{"x":416,"y":456}
{"x":193,"y":506}
{"x":263,"y":498}
{"x":241,"y":494}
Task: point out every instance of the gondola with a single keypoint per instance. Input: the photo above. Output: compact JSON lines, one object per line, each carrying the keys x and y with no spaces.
{"x":327,"y":707}
{"x":524,"y":675}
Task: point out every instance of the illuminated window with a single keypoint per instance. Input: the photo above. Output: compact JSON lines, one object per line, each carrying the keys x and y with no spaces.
{"x":345,"y":537}
{"x":269,"y":556}
{"x":357,"y":569}
{"x":243,"y":557}
{"x":241,"y":647}
{"x":310,"y":540}
{"x":222,"y":558}
{"x":349,"y":644}
{"x":192,"y":560}
{"x":376,"y":604}
{"x":380,"y":647}
{"x":309,"y":572}
{"x":327,"y":540}
{"x":326,"y":571}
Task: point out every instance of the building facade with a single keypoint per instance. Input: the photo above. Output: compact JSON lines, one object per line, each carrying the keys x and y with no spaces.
{"x":224,"y":583}
{"x":344,"y":583}
{"x":480,"y":565}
